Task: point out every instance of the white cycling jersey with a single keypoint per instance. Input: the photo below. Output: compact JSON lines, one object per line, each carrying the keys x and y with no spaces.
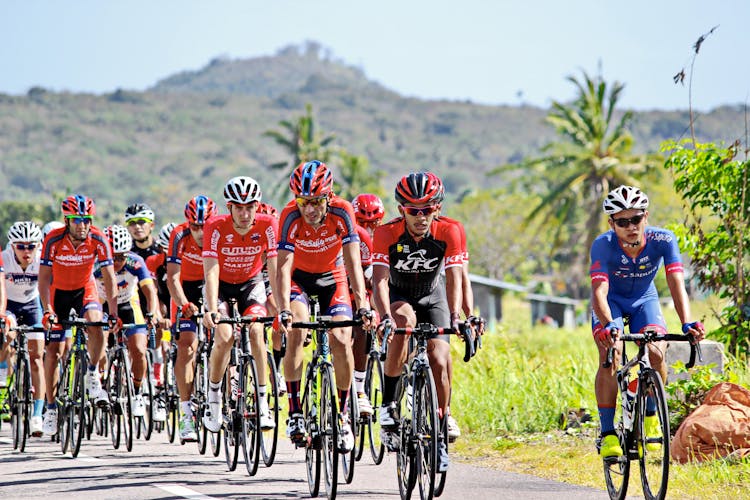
{"x":20,"y":285}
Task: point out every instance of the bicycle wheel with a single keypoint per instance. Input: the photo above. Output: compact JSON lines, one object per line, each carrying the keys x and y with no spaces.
{"x":147,"y":385}
{"x":653,"y":449}
{"x":125,"y":398}
{"x":312,"y":447}
{"x":200,"y":386}
{"x":17,"y":421}
{"x":406,"y":467}
{"x":270,"y":437}
{"x":114,"y":414}
{"x":329,"y":430}
{"x":77,"y":407}
{"x":617,"y":469}
{"x":440,"y":477}
{"x":374,"y":390}
{"x":348,"y":459}
{"x":249,"y":409}
{"x":63,"y":405}
{"x":172,"y":397}
{"x":426,"y":428}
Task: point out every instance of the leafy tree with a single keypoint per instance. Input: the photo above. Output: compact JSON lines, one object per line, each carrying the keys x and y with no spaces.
{"x":303,"y":142}
{"x":12,"y":211}
{"x":574,"y":174}
{"x":354,"y":177}
{"x":714,"y":187}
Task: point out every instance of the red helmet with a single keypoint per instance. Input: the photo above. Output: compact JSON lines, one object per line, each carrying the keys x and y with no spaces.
{"x":265,"y":208}
{"x":418,"y":188}
{"x":78,"y":204}
{"x":311,"y":179}
{"x":368,"y":208}
{"x":199,"y":209}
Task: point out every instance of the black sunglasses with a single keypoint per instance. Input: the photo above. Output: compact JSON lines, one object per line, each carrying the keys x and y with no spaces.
{"x":625,"y":222}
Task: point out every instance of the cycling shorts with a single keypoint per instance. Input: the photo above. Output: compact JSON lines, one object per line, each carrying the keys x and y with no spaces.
{"x":194,"y":293}
{"x":332,"y":293}
{"x":431,"y":308}
{"x":250,"y":297}
{"x":641,"y":313}
{"x":28,"y":314}
{"x":80,"y":300}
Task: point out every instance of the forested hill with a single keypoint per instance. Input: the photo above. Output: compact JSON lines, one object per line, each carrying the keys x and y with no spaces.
{"x":191,"y":131}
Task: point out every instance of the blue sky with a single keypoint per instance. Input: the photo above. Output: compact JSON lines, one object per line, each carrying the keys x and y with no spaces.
{"x":488,"y":51}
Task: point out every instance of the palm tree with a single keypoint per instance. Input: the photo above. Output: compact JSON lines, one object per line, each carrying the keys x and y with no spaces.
{"x":355,"y":177}
{"x":575,"y":173}
{"x":302,"y":141}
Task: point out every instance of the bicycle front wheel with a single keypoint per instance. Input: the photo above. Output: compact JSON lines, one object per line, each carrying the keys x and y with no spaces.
{"x":329,"y":430}
{"x":348,"y":458}
{"x":63,"y":405}
{"x":653,"y":435}
{"x":406,"y":467}
{"x":77,"y":408}
{"x":617,"y":469}
{"x":17,"y":420}
{"x":249,"y":408}
{"x":374,"y":389}
{"x":200,"y":390}
{"x":269,"y":437}
{"x":125,"y":398}
{"x":426,"y":430}
{"x":114,"y":414}
{"x":312,"y":418}
{"x":441,"y":477}
{"x":231,"y":422}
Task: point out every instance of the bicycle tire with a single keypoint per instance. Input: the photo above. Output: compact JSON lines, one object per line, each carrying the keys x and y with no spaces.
{"x":406,"y":467}
{"x":270,"y":437}
{"x":200,"y":386}
{"x":374,"y":390}
{"x":349,"y":458}
{"x":18,"y":423}
{"x":147,"y":421}
{"x":440,"y":477}
{"x":329,"y":431}
{"x":172,"y":397}
{"x":250,"y":412}
{"x":426,"y":427}
{"x":312,"y":447}
{"x":653,"y":451}
{"x":63,"y":405}
{"x":231,"y":423}
{"x":125,"y":387}
{"x":114,"y":414}
{"x":77,"y":407}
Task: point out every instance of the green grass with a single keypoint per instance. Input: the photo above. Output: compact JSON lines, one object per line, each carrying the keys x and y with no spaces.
{"x":509,"y":399}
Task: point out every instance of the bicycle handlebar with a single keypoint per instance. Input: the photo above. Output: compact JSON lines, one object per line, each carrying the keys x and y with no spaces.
{"x":246,"y":320}
{"x":652,"y":336}
{"x":326,"y":323}
{"x":428,"y":330}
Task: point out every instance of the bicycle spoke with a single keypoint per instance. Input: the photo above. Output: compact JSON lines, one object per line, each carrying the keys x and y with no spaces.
{"x":653,"y":440}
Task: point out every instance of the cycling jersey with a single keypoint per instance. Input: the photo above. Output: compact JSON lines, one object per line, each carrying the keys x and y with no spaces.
{"x":415,"y":265}
{"x":20,"y":284}
{"x":133,"y":274}
{"x":365,"y":246}
{"x":240,"y":256}
{"x":72,"y":267}
{"x":145,"y":253}
{"x":462,"y":231}
{"x":157,"y":266}
{"x":184,"y":250}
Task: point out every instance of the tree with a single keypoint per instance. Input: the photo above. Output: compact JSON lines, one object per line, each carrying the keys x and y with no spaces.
{"x":303,"y":142}
{"x":354,"y":177}
{"x":13,"y":211}
{"x":714,"y":187}
{"x":575,"y":173}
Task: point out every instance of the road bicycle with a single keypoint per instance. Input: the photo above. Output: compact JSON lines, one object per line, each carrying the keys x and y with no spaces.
{"x":166,"y":395}
{"x":369,"y":427}
{"x":144,"y":426}
{"x":420,"y":430}
{"x":269,"y":437}
{"x":199,"y":396}
{"x":651,"y":451}
{"x":319,"y":405}
{"x":72,"y":397}
{"x":240,"y":403}
{"x":20,"y":397}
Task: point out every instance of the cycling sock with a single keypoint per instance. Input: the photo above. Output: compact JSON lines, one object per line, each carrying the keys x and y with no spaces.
{"x":607,"y":419}
{"x":389,"y":388}
{"x":277,"y":357}
{"x":292,"y":391}
{"x":262,"y":391}
{"x":52,"y":406}
{"x":38,"y":407}
{"x":3,"y":364}
{"x":359,"y":381}
{"x":187,"y":409}
{"x":344,"y":399}
{"x":92,"y":368}
{"x":650,"y":406}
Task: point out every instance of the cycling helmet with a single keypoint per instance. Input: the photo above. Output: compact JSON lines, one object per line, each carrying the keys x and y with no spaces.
{"x":311,"y":179}
{"x":418,"y":188}
{"x":199,"y":209}
{"x":119,"y":238}
{"x":50,"y":226}
{"x":24,"y":231}
{"x":241,"y":190}
{"x":266,"y":208}
{"x":368,"y":208}
{"x":164,"y":234}
{"x":625,"y":198}
{"x":139,"y":211}
{"x":78,"y":205}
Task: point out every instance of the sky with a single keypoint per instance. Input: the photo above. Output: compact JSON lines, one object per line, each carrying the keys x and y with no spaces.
{"x":486,"y":51}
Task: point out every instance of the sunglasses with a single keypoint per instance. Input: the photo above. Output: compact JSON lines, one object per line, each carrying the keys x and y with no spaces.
{"x":25,"y":246}
{"x":120,"y":258}
{"x":625,"y":222}
{"x":415,"y":211}
{"x":138,"y":222}
{"x":316,"y":202}
{"x":82,"y":219}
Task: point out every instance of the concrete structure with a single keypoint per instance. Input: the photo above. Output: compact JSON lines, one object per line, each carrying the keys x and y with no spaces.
{"x":713,"y":353}
{"x":488,"y":295}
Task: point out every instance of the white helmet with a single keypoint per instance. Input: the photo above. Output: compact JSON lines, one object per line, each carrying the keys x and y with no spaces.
{"x":139,"y":211}
{"x":50,"y":226}
{"x":242,"y":190}
{"x":164,"y":234}
{"x":625,"y":198}
{"x":119,"y":238}
{"x":24,"y":231}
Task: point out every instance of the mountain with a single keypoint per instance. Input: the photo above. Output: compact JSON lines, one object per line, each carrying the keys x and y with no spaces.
{"x":193,"y":130}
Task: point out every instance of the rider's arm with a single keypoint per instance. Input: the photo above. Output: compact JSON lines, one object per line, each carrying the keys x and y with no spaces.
{"x":45,"y":279}
{"x":467,"y":302}
{"x":3,"y":296}
{"x":174,"y":285}
{"x":283,"y":285}
{"x":676,"y":283}
{"x":110,"y":286}
{"x":599,"y":303}
{"x":453,"y":278}
{"x":273,"y":300}
{"x":152,"y":298}
{"x":380,"y":289}
{"x":211,"y":278}
{"x":353,"y":264}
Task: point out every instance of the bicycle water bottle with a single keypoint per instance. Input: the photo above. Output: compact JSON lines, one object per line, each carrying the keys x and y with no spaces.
{"x":627,"y":417}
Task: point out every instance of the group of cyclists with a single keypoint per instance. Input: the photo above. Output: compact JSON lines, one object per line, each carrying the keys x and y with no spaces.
{"x":268,"y":262}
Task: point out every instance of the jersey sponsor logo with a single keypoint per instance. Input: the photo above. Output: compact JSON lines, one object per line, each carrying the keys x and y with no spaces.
{"x":660,"y":237}
{"x":241,"y":250}
{"x":379,"y":256}
{"x":596,"y":266}
{"x":417,"y":261}
{"x":317,"y":244}
{"x":624,"y":259}
{"x":230,"y":238}
{"x":402,"y":248}
{"x":454,"y":259}
{"x":74,"y":259}
{"x":643,"y":260}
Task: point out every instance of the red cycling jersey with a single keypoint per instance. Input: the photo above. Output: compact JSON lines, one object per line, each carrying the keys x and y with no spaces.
{"x":240,"y":256}
{"x":318,"y":250}
{"x":72,"y":267}
{"x":184,"y":250}
{"x":464,"y":247}
{"x":365,"y":246}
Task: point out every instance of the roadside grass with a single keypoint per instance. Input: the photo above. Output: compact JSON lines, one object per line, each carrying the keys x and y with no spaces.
{"x":513,"y":398}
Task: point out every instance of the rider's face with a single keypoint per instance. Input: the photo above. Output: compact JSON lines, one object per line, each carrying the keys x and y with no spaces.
{"x":629,"y":225}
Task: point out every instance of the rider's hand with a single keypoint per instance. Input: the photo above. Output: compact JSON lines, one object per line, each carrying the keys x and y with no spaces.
{"x":189,"y":310}
{"x":368,"y":318}
{"x":478,"y":323}
{"x":696,"y":329}
{"x":456,"y":322}
{"x":385,"y":324}
{"x":284,"y":320}
{"x":210,"y":319}
{"x":607,"y":336}
{"x":164,"y":324}
{"x":115,"y":324}
{"x":48,"y":320}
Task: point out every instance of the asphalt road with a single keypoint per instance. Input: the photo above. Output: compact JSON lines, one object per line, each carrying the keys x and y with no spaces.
{"x":157,"y":469}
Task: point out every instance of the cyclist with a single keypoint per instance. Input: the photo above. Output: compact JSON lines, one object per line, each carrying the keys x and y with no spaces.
{"x":624,"y":262}
{"x":368,"y":212}
{"x":21,"y":260}
{"x":238,"y":244}
{"x":185,"y":282}
{"x":318,"y":249}
{"x":139,"y":218}
{"x":5,"y":352}
{"x":131,"y":275}
{"x":409,"y":252}
{"x":66,"y":282}
{"x":54,"y":224}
